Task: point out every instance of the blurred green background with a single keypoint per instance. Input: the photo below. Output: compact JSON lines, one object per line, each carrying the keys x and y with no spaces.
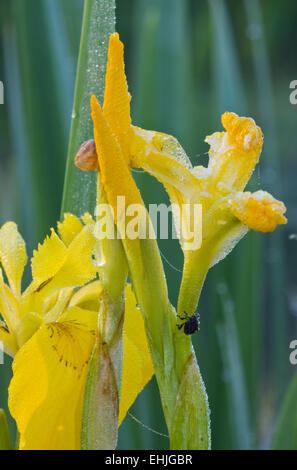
{"x":187,"y":62}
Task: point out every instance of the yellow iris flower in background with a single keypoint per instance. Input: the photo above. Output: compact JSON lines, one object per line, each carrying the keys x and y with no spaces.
{"x":50,"y":331}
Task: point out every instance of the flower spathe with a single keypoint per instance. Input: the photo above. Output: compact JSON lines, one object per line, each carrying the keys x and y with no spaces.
{"x":50,"y":328}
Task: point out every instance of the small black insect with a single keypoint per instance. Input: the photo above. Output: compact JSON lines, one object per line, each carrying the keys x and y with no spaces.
{"x":191,"y":324}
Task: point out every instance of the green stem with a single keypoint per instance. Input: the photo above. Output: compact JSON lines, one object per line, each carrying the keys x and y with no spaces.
{"x":98,"y":23}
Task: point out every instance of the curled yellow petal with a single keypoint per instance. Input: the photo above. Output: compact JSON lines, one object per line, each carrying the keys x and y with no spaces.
{"x":137,"y":364}
{"x":46,"y":391}
{"x":243,"y":132}
{"x":13,"y":255}
{"x":234,"y":153}
{"x":259,"y":211}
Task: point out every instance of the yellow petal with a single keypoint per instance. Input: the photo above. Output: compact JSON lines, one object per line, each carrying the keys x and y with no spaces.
{"x":87,"y":219}
{"x":162,"y":156}
{"x":13,"y":255}
{"x":54,"y":312}
{"x":137,"y":364}
{"x":9,"y":306}
{"x":140,"y":252}
{"x":29,"y":324}
{"x":48,"y":259}
{"x":118,"y":182}
{"x":116,"y":107}
{"x":259,"y":211}
{"x":78,"y":267}
{"x":46,"y":391}
{"x":115,"y":174}
{"x":87,"y":297}
{"x":55,"y":266}
{"x":234,"y":153}
{"x":8,"y":340}
{"x":69,"y":228}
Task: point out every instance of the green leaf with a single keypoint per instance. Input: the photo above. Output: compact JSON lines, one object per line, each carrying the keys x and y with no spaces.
{"x":285,"y":436}
{"x":226,"y":70}
{"x":239,"y":413}
{"x":5,"y":441}
{"x":98,"y":23}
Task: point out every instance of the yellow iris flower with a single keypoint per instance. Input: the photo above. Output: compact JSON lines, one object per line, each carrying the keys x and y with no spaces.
{"x":50,"y":331}
{"x":227,"y":212}
{"x":181,"y":388}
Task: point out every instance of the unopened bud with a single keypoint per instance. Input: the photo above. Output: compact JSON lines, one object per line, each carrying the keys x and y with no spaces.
{"x":86,"y":158}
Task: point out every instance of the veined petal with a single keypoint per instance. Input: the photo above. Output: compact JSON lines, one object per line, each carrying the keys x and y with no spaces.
{"x":116,"y":107}
{"x":234,"y":153}
{"x":13,"y":255}
{"x":46,"y":391}
{"x":137,"y":364}
{"x":69,"y":228}
{"x":259,"y":211}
